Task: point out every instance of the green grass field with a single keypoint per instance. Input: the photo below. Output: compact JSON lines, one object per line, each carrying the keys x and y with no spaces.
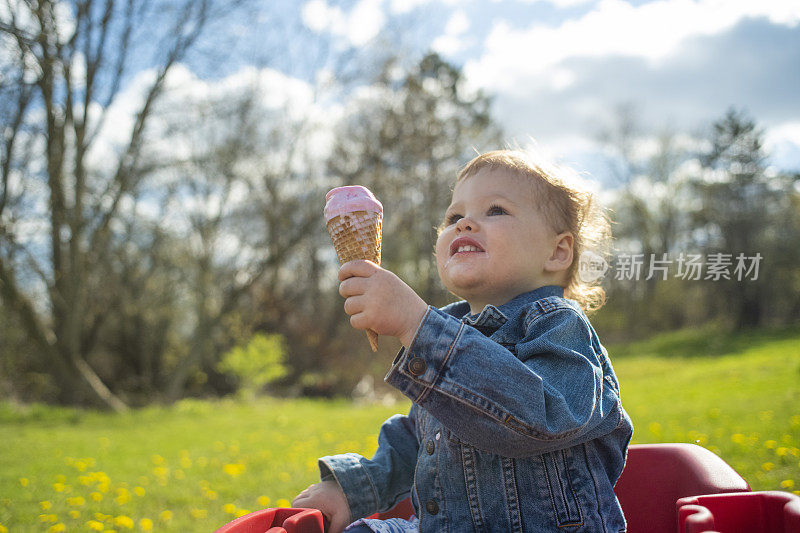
{"x":196,"y":465}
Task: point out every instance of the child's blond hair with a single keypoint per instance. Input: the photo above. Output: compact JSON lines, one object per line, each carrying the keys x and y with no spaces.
{"x":568,"y":206}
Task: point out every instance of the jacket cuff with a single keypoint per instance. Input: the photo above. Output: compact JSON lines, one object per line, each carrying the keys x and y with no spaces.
{"x":351,"y":476}
{"x":417,"y":369}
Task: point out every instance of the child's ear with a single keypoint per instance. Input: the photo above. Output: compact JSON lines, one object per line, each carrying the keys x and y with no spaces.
{"x":561,"y":259}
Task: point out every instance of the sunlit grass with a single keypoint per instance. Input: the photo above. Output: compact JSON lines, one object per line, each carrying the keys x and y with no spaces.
{"x":199,"y":464}
{"x":742,"y":401}
{"x":189,"y":468}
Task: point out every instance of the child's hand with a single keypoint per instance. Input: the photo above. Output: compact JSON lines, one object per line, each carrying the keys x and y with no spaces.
{"x":377,"y":299}
{"x":328,"y":497}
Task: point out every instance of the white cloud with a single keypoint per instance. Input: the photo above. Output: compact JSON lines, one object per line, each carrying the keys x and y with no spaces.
{"x":788,"y":131}
{"x":453,"y":41}
{"x":359,"y":26}
{"x":560,"y":3}
{"x":782,"y":142}
{"x":614,"y":27}
{"x":317,"y":15}
{"x":400,"y":7}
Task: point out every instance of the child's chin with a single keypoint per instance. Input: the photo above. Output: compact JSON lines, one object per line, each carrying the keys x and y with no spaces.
{"x":462,"y":283}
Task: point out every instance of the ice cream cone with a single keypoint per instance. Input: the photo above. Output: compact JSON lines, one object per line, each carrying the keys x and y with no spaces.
{"x":356,"y":233}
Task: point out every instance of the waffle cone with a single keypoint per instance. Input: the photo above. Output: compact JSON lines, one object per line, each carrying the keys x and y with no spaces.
{"x":357,"y":235}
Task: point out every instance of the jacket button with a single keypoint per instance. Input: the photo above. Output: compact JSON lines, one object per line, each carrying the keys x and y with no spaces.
{"x":417,"y":366}
{"x":430,"y":447}
{"x":432,"y":507}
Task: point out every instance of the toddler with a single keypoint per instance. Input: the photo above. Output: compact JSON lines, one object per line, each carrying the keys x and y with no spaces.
{"x":516,"y":423}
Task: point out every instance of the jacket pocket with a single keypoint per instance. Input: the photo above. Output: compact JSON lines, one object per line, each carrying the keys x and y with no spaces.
{"x":567,"y":511}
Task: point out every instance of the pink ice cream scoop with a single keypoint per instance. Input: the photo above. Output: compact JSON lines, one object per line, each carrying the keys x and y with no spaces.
{"x":349,"y":199}
{"x":354,"y":218}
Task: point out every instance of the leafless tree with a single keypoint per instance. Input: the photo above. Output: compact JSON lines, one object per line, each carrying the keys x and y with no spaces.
{"x":63,"y":67}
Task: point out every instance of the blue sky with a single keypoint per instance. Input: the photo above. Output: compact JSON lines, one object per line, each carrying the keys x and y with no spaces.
{"x":558,"y":69}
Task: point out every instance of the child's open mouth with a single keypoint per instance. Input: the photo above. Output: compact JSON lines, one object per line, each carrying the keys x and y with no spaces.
{"x":465,"y":245}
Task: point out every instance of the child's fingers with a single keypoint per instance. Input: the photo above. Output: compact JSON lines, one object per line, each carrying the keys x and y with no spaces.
{"x":359,"y":320}
{"x":353,"y":287}
{"x":354,"y":305}
{"x":359,"y":268}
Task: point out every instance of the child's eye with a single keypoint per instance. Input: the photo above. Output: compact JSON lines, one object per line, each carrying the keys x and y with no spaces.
{"x":496,"y":210}
{"x":453,"y":218}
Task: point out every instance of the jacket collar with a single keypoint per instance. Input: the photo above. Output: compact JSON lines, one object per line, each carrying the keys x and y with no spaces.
{"x":492,"y":317}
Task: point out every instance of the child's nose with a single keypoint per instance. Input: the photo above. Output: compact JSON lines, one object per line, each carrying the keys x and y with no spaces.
{"x":465,"y":224}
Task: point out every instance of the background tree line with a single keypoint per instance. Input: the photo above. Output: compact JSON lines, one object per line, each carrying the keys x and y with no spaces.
{"x":132,"y":260}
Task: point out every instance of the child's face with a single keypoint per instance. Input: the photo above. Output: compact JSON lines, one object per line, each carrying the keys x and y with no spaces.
{"x":496,"y":243}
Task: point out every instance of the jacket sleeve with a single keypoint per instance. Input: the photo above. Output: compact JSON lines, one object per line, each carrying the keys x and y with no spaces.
{"x":550,"y":394}
{"x":377,"y":484}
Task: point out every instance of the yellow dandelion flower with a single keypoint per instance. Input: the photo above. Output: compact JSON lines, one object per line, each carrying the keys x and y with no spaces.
{"x":198,"y":513}
{"x":57,"y":528}
{"x":95,"y":525}
{"x":234,"y":469}
{"x":157,"y":459}
{"x":738,"y":438}
{"x":283,"y":503}
{"x":263,"y":501}
{"x":24,"y":482}
{"x":186,"y":463}
{"x":45,"y":505}
{"x":102,"y":517}
{"x":781,"y":451}
{"x":123,"y":521}
{"x":3,"y":529}
{"x":165,"y":516}
{"x":80,"y":465}
{"x":139,"y":491}
{"x":241,"y":512}
{"x":768,"y":466}
{"x":211,"y":494}
{"x":787,"y":483}
{"x":76,"y":501}
{"x":74,"y":514}
{"x":229,"y":508}
{"x":770,"y":444}
{"x":59,"y":487}
{"x":85,"y":480}
{"x":48,"y":518}
{"x":145,"y":524}
{"x":96,"y":496}
{"x":123,"y":496}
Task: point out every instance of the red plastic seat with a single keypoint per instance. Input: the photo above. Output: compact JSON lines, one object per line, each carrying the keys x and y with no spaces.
{"x":752,"y":512}
{"x":277,"y":520}
{"x":657,"y":475}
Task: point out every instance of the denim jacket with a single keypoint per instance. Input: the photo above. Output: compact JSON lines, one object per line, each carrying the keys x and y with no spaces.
{"x":516,"y":424}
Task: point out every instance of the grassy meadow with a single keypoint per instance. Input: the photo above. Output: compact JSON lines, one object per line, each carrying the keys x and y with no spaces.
{"x":198,"y":464}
